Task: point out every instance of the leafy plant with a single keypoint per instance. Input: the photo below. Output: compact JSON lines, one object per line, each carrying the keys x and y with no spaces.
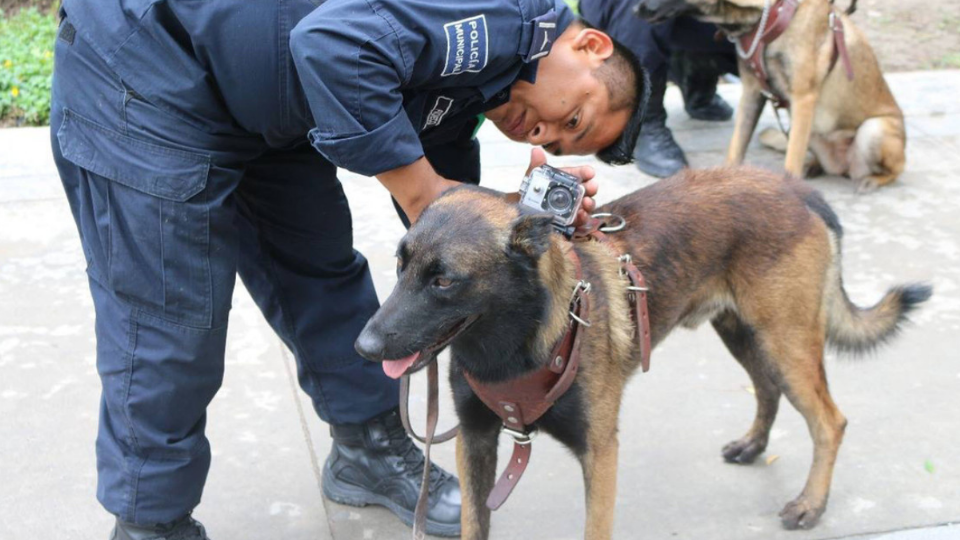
{"x":26,"y":66}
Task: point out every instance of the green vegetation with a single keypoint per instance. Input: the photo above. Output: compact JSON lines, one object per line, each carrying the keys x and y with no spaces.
{"x":26,"y":65}
{"x":949,"y":60}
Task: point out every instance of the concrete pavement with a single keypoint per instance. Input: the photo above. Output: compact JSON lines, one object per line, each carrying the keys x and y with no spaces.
{"x":897,"y":477}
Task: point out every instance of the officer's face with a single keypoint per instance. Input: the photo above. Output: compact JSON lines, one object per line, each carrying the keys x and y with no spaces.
{"x":567,"y":110}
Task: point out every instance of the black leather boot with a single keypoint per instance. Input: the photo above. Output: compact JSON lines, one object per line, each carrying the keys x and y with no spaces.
{"x":697,"y":75}
{"x":657,"y":153}
{"x":376,"y":463}
{"x":185,"y":528}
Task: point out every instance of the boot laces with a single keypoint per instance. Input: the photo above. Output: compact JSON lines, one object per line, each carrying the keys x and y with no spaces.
{"x":412,"y":456}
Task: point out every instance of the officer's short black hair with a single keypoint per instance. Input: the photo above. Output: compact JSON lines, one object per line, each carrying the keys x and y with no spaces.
{"x":629,"y":87}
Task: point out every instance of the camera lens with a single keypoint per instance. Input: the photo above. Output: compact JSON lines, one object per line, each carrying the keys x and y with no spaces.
{"x":559,"y":200}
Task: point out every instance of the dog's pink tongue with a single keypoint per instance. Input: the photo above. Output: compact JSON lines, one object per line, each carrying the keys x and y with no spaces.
{"x":396,"y":368}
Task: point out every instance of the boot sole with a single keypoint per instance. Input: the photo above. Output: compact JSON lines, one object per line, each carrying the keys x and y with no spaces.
{"x":351,"y":495}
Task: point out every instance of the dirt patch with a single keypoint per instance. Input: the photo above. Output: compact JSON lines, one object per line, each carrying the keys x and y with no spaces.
{"x":910,"y":35}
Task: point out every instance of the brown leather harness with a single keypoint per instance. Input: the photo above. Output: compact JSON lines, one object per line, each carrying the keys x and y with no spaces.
{"x":768,"y":30}
{"x":520,"y":402}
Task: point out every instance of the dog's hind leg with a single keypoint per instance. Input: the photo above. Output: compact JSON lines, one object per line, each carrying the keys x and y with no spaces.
{"x":797,"y":355}
{"x":742,"y":344}
{"x":877,"y":156}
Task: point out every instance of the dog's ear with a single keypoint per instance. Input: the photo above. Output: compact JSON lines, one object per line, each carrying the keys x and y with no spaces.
{"x":530,"y":234}
{"x":750,"y":4}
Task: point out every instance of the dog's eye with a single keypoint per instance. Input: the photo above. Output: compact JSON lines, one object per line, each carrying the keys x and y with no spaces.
{"x":442,"y":282}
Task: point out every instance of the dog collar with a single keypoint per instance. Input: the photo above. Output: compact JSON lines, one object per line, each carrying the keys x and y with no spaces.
{"x":767,"y":31}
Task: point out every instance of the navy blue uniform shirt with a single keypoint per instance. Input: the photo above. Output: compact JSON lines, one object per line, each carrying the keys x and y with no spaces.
{"x":371,"y":81}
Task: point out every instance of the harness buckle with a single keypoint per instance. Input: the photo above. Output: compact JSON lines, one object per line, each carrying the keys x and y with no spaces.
{"x":582,"y":287}
{"x":520,"y":437}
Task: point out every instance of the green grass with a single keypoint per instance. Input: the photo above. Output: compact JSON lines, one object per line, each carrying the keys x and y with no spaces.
{"x":26,"y":66}
{"x":949,"y":60}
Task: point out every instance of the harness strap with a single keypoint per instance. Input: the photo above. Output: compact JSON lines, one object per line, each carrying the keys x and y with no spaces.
{"x":521,"y":401}
{"x":840,"y":45}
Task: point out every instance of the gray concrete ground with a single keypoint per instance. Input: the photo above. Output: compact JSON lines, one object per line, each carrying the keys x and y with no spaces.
{"x":897,"y":477}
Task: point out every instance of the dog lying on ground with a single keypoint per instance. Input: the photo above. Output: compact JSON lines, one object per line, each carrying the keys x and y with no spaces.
{"x":755,"y":254}
{"x":853,"y":127}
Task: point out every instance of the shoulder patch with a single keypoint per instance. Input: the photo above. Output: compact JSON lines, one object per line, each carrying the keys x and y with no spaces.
{"x":440,"y":109}
{"x":467,"y":46}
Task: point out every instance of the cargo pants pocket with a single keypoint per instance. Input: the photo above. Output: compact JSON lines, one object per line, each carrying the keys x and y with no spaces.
{"x":152,"y":221}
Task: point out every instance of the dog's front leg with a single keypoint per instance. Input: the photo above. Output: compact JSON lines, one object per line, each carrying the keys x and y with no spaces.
{"x":802,"y":107}
{"x":748,"y":113}
{"x":600,"y":478}
{"x":477,"y":468}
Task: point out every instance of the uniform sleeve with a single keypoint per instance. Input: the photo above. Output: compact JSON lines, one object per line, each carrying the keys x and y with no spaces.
{"x":352,"y":63}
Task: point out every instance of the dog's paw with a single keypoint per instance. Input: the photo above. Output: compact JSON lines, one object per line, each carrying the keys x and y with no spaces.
{"x":801,"y":514}
{"x":867,"y":185}
{"x":744,"y":451}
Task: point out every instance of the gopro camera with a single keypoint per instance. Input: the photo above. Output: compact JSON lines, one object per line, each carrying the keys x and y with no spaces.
{"x":551,"y":190}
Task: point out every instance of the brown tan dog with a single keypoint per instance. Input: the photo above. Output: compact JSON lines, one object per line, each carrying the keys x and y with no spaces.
{"x":755,"y":254}
{"x":853,"y":127}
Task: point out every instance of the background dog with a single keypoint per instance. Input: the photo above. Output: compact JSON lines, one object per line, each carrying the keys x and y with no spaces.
{"x":755,"y":254}
{"x":853,"y":127}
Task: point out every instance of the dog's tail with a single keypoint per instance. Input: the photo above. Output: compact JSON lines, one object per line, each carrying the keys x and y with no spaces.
{"x":851,"y":328}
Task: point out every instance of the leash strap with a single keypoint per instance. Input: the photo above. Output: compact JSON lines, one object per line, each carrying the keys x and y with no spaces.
{"x":420,"y":514}
{"x":405,"y":415}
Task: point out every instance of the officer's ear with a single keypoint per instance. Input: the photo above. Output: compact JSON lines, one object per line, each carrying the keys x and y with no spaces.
{"x":597,"y":45}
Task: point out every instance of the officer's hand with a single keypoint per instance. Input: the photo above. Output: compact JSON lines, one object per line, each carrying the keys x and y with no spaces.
{"x":584,"y":172}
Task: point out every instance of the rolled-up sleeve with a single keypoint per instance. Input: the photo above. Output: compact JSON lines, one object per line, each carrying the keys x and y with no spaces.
{"x":352,"y":63}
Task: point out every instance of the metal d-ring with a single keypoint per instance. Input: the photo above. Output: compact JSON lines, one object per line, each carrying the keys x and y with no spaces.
{"x":520,"y":437}
{"x":611,"y":228}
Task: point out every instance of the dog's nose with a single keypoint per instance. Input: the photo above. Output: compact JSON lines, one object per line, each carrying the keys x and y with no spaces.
{"x":370,"y":345}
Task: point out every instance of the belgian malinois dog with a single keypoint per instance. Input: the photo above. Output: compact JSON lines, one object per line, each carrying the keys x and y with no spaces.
{"x":755,"y":254}
{"x":853,"y":127}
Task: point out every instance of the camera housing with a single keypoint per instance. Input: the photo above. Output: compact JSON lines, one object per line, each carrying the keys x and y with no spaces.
{"x":551,"y":190}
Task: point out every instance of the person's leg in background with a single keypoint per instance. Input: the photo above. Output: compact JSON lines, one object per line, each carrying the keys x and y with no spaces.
{"x":696,"y":64}
{"x":657,"y":152}
{"x":150,"y":212}
{"x":298,"y":262}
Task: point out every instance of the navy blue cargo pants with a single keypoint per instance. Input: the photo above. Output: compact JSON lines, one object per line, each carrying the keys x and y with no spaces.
{"x":168,"y":215}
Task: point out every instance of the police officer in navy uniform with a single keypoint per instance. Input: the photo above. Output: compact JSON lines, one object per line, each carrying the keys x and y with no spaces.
{"x":200,"y":140}
{"x":683,"y":50}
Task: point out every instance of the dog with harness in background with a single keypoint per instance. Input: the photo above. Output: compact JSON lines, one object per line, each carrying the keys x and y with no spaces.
{"x":807,"y":56}
{"x":527,"y":312}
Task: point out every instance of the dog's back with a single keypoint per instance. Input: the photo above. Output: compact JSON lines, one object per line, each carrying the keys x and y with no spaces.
{"x":722,"y":233}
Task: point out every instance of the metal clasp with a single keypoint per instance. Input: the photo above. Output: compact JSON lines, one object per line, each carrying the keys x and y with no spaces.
{"x":520,"y":437}
{"x":611,"y":228}
{"x":583,"y":287}
{"x":625,"y":260}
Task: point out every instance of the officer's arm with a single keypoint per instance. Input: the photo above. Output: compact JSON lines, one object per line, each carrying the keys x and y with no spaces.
{"x":414,"y":186}
{"x":352,"y":65}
